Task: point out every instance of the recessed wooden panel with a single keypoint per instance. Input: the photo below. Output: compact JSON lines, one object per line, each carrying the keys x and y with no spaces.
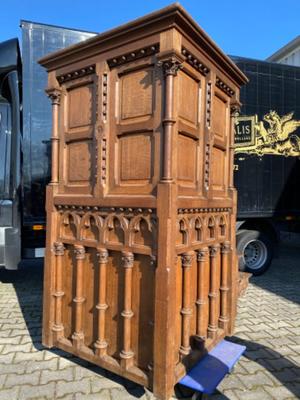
{"x":136,"y":94}
{"x":143,"y":289}
{"x":218,"y":168}
{"x":114,"y":300}
{"x":188,"y":98}
{"x":187,"y":157}
{"x":219,"y":117}
{"x":91,"y":282}
{"x":69,"y":263}
{"x":135,"y":157}
{"x":79,"y":161}
{"x":80,"y":106}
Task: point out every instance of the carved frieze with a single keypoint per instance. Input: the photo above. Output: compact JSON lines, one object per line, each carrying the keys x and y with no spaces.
{"x":195,"y":62}
{"x":133,"y":55}
{"x":79,"y":73}
{"x":224,"y":87}
{"x":202,"y":210}
{"x":195,"y":226}
{"x":109,"y":226}
{"x":126,"y":210}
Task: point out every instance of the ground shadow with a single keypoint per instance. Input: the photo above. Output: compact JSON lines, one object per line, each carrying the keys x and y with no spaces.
{"x":283,"y":276}
{"x":272,"y":361}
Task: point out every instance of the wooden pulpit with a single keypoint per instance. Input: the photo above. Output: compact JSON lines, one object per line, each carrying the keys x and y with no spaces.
{"x":141,"y":273}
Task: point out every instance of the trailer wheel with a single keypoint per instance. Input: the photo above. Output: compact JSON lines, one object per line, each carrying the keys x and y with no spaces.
{"x":255,"y":250}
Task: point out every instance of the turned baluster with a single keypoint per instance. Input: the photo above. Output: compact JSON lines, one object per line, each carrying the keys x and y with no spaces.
{"x":186,"y":310}
{"x":224,"y":318}
{"x":213,"y":292}
{"x":58,"y":249}
{"x":78,"y":336}
{"x":101,"y":344}
{"x":127,"y":354}
{"x":202,"y":292}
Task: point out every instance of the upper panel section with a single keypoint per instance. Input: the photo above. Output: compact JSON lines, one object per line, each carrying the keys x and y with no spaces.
{"x":173,"y":16}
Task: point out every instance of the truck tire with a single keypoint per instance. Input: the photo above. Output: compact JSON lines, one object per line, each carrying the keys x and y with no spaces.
{"x":255,"y":251}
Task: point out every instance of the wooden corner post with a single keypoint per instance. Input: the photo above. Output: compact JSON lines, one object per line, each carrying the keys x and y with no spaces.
{"x":165,"y":282}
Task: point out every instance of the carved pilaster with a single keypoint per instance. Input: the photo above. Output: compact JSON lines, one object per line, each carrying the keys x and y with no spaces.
{"x":235,"y":109}
{"x":55,"y":95}
{"x":170,"y":66}
{"x":58,"y":328}
{"x":213,"y":292}
{"x":101,"y":343}
{"x":127,"y":354}
{"x":224,"y":288}
{"x":78,"y":336}
{"x":202,"y":292}
{"x":186,"y":310}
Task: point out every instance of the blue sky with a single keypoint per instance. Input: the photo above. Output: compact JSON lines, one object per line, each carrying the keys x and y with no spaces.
{"x":255,"y":28}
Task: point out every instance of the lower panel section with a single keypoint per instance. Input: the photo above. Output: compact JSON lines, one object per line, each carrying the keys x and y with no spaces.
{"x":104,"y":307}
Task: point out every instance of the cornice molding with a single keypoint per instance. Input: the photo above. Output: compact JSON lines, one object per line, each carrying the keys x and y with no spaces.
{"x":171,"y":17}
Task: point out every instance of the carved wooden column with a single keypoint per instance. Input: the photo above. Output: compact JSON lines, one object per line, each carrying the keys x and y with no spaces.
{"x":224,"y":318}
{"x":186,"y":311}
{"x":78,"y":336}
{"x":127,"y":354}
{"x":234,"y":113}
{"x":233,"y":272}
{"x":54,"y":95}
{"x":202,"y":292}
{"x":213,"y":292}
{"x":101,"y":343}
{"x":58,"y":327}
{"x":170,"y":67}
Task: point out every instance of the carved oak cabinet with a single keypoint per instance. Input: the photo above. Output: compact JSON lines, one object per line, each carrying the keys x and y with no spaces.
{"x":141,"y":272}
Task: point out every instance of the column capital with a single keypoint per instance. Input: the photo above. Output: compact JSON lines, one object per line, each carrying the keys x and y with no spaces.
{"x":79,"y":252}
{"x":187,"y":259}
{"x":127,"y":259}
{"x":225,"y":247}
{"x":202,"y":254}
{"x":58,"y":248}
{"x":170,"y":65}
{"x":235,"y":109}
{"x":54,"y":95}
{"x":214,"y":249}
{"x":102,"y":255}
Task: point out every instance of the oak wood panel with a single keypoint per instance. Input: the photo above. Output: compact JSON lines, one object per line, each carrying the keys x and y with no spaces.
{"x":220,"y":120}
{"x":79,"y":162}
{"x":135,"y":157}
{"x":187,"y":160}
{"x":136,"y":94}
{"x":218,"y":172}
{"x":189,"y":98}
{"x":80,"y":106}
